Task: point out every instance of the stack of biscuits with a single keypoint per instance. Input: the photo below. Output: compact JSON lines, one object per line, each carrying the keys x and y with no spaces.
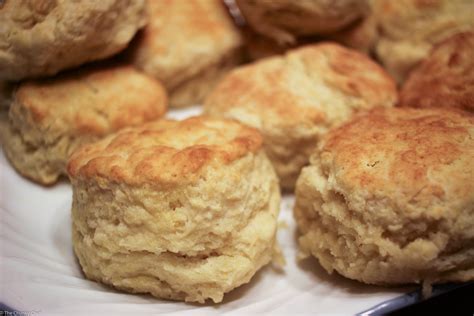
{"x":364,"y":109}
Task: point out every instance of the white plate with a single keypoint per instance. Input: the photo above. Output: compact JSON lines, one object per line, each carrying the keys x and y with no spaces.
{"x":39,"y":273}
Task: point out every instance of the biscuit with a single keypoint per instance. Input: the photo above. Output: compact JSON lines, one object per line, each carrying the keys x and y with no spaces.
{"x":183,"y":210}
{"x":48,"y":118}
{"x":445,"y":78}
{"x":389,"y":199}
{"x":43,"y":37}
{"x":285,"y":20}
{"x":410,"y":28}
{"x":294,"y":99}
{"x":361,"y":35}
{"x":188,"y":45}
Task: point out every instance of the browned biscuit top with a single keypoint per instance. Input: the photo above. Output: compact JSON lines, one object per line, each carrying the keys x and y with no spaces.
{"x":419,"y":160}
{"x":42,"y":37}
{"x":92,"y":101}
{"x":445,"y":78}
{"x":316,"y":83}
{"x":183,"y":38}
{"x":165,"y":151}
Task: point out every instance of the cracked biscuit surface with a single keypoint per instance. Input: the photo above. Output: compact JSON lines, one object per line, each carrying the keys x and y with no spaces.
{"x":43,"y":37}
{"x":49,"y":118}
{"x":294,"y":99}
{"x":188,"y":45}
{"x":389,"y":199}
{"x":183,"y":210}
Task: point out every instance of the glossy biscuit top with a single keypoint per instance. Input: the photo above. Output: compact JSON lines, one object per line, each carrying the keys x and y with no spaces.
{"x":165,"y":152}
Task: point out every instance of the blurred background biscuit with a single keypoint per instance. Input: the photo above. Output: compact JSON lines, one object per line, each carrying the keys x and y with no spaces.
{"x":389,"y":199}
{"x":285,"y":20}
{"x":445,"y":78}
{"x":360,"y":34}
{"x":188,"y":45}
{"x":43,"y":37}
{"x":49,"y":118}
{"x":408,"y":29}
{"x":183,"y":210}
{"x":294,"y":99}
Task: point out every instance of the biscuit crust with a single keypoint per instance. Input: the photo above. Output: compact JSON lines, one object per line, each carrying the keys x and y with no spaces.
{"x":162,"y":154}
{"x":445,"y":78}
{"x":389,"y":198}
{"x":181,"y":210}
{"x":49,"y":118}
{"x":410,"y":28}
{"x":294,"y":99}
{"x":185,"y":41}
{"x":43,"y":37}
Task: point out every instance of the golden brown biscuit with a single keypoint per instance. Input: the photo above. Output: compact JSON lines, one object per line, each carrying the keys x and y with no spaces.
{"x":294,"y":99}
{"x":445,"y":78}
{"x":49,"y":118}
{"x":188,"y":45}
{"x":410,"y":28}
{"x":389,"y":198}
{"x":42,"y":37}
{"x":284,"y":20}
{"x":183,"y":210}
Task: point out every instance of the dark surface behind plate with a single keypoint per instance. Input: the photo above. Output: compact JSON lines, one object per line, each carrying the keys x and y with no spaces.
{"x":446,"y":299}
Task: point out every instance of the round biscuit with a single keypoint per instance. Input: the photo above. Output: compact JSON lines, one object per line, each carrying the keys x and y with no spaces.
{"x":184,"y":210}
{"x":188,"y":45}
{"x":389,"y":198}
{"x":294,"y":99}
{"x":49,"y":118}
{"x":43,"y":37}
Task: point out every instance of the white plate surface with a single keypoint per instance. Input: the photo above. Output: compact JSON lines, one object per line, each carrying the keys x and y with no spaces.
{"x":39,"y":273}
